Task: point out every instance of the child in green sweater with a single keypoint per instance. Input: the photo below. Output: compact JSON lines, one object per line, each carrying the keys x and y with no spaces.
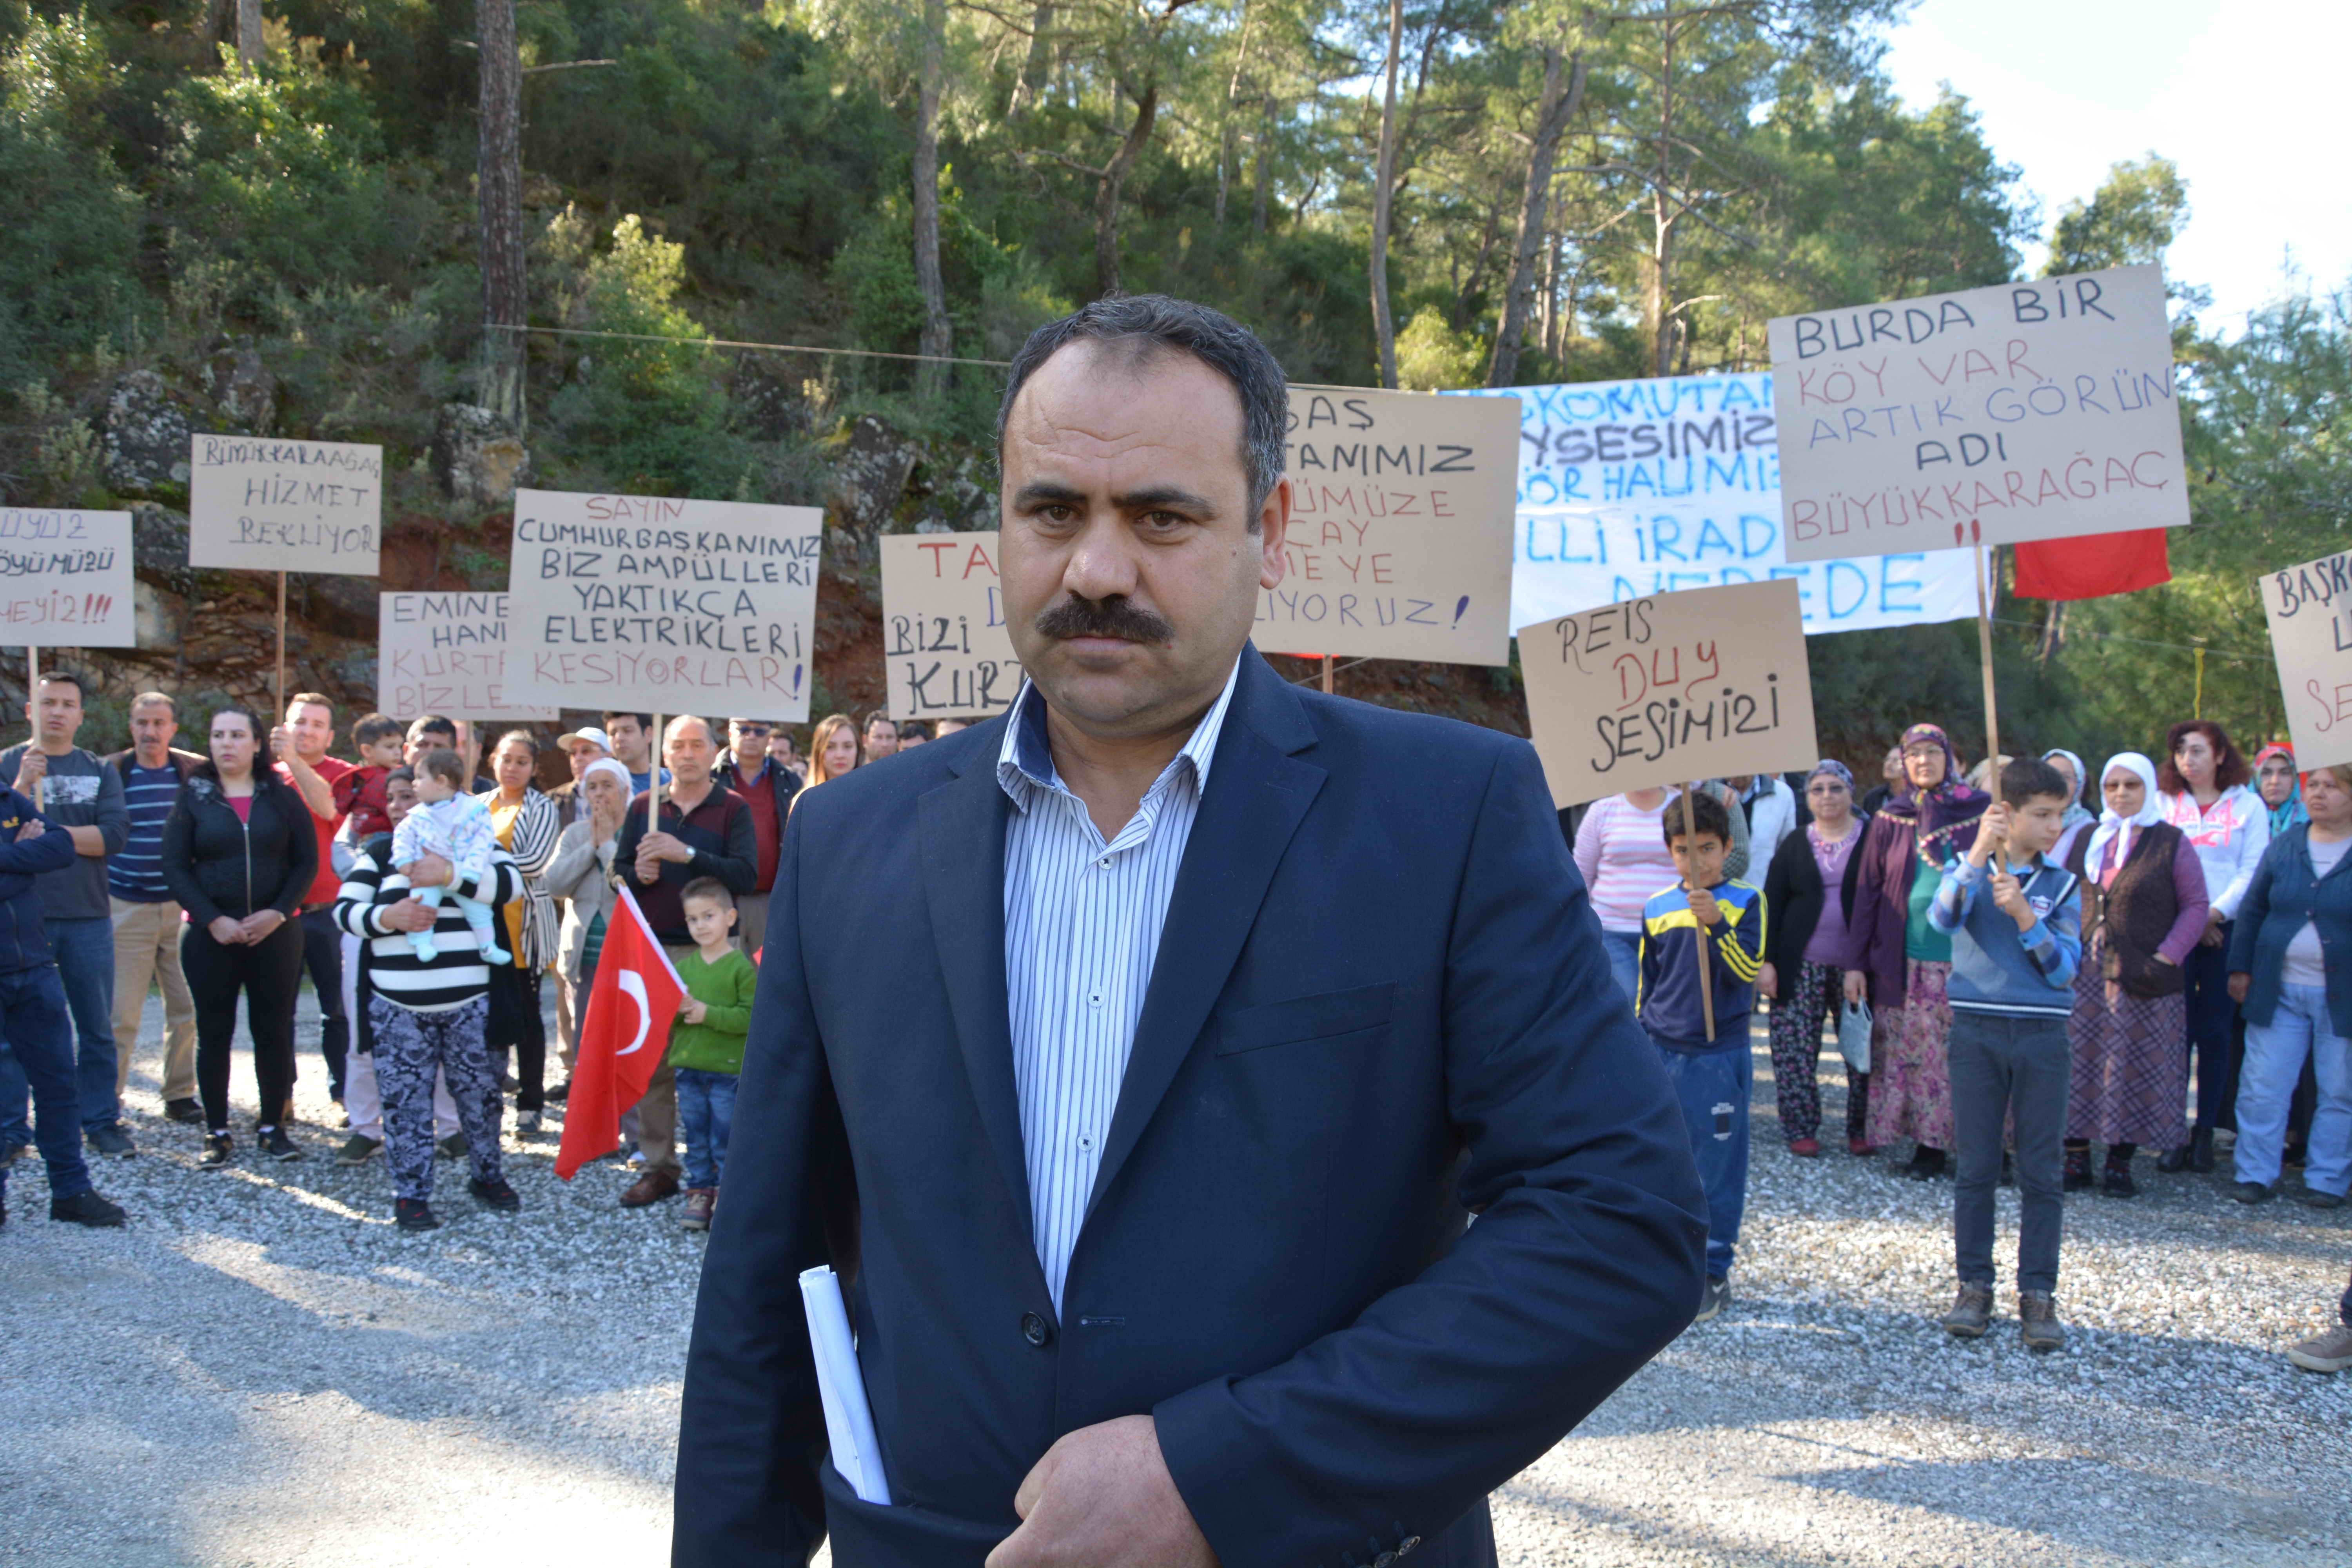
{"x":706,"y":1040}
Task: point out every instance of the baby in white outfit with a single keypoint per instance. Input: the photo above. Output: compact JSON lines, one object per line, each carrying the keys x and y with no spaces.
{"x":456,"y":827}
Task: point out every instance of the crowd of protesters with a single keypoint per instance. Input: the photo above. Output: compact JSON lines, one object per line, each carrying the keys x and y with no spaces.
{"x":2181,"y":972}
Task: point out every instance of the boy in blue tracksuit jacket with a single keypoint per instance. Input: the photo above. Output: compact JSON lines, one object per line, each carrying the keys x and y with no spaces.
{"x":34,"y":1024}
{"x":1711,"y":1078}
{"x":2016,"y":926}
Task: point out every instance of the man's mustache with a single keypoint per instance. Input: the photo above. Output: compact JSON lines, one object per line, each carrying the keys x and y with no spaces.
{"x":1115,"y":616}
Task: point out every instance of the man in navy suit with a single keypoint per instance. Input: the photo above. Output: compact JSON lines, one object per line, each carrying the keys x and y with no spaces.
{"x":1139,"y":1059}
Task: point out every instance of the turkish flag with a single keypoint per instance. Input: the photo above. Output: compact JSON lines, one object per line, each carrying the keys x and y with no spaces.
{"x":2093,"y":565}
{"x":623,"y":1036}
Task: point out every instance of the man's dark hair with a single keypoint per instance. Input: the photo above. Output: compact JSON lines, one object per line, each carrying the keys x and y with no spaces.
{"x":311,"y":700}
{"x":916,"y":728}
{"x":878,"y":716}
{"x":400,"y":775}
{"x":1707,"y":816}
{"x":1145,"y":326}
{"x":66,"y":678}
{"x":644,"y":720}
{"x":2026,"y":777}
{"x":374,"y":727}
{"x":433,"y":724}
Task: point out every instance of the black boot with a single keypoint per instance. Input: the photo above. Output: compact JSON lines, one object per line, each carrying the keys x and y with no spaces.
{"x":2078,"y":1170}
{"x":2172,"y":1162}
{"x":2200,"y":1151}
{"x":2116,"y":1181}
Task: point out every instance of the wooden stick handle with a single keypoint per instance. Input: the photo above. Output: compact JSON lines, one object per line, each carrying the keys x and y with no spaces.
{"x":653,"y":782}
{"x":1327,"y":675}
{"x":1984,"y":647}
{"x":1706,"y":958}
{"x":282,"y":647}
{"x":33,"y":713}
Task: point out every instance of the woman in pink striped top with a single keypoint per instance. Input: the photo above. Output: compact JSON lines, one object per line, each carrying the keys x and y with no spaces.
{"x":1621,"y":849}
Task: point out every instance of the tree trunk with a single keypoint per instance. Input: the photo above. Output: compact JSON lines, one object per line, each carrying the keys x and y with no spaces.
{"x":498,"y":179}
{"x":938,"y":334}
{"x":248,"y":34}
{"x":1662,"y":233}
{"x":1030,"y":85}
{"x":1383,"y":199}
{"x":1562,"y":92}
{"x":1257,"y":170}
{"x":1146,"y":109}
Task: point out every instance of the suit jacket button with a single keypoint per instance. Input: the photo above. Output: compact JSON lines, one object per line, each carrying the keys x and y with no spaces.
{"x":1033,"y":1330}
{"x":1407,"y":1544}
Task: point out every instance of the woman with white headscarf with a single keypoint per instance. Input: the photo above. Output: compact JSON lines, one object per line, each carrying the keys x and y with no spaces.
{"x":2079,"y":820}
{"x":580,"y":873}
{"x":2143,"y":911}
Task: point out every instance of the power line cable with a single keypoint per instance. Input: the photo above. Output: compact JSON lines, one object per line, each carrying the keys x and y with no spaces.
{"x":738,"y":343}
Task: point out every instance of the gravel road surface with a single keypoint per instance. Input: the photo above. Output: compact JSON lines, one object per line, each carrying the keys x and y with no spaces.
{"x":261,"y":1371}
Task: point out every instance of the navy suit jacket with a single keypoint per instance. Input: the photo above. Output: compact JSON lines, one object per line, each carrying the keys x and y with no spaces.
{"x":1380,"y":1005}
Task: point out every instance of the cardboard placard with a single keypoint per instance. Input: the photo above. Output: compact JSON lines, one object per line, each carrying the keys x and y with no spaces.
{"x":1400,"y":542}
{"x":256,"y":503}
{"x":1668,"y":688}
{"x":2310,"y":612}
{"x":1629,"y":487}
{"x":2034,"y":410}
{"x":944,"y":643}
{"x":447,"y":653}
{"x":664,"y":605}
{"x":65,"y":579}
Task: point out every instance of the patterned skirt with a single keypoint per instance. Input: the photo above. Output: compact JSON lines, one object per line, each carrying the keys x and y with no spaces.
{"x":2130,"y":1081}
{"x":1910,"y":1069}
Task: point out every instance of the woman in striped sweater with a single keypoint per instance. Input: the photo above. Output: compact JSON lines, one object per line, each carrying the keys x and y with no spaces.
{"x":528,"y":825}
{"x":429,"y":1014}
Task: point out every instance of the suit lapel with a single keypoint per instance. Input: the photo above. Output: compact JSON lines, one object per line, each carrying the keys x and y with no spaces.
{"x":1258,"y":793}
{"x":962,"y":827}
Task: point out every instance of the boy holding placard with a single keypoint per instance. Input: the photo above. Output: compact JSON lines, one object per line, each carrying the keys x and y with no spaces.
{"x":2016,"y":926}
{"x":1711,"y":1077}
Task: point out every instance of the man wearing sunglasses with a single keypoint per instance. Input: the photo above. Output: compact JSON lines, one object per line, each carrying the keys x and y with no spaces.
{"x":751,"y":769}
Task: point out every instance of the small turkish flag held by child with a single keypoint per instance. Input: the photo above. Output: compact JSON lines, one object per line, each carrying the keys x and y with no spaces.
{"x":623,"y":1036}
{"x":2093,"y":565}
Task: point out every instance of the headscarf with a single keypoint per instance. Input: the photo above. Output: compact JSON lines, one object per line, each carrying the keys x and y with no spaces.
{"x":1835,"y":769}
{"x":2293,"y":814}
{"x":2075,"y":810}
{"x":609,"y":765}
{"x":2150,"y":812}
{"x":1945,"y":814}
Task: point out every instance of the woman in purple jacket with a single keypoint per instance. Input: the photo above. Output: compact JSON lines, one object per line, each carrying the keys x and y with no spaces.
{"x":1898,"y":962}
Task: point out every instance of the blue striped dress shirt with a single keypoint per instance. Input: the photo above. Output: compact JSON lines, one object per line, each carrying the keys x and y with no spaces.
{"x":1082,"y":921}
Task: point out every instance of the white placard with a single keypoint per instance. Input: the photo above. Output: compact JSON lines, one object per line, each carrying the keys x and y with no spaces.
{"x":663,"y":604}
{"x":65,"y":579}
{"x":447,"y":653}
{"x":1400,"y":541}
{"x":1635,"y":488}
{"x":944,"y":644}
{"x":256,"y":503}
{"x":2310,"y":612}
{"x":1668,"y":688}
{"x":2033,"y":410}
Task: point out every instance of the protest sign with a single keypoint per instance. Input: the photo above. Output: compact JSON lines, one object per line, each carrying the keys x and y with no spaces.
{"x":65,"y":579}
{"x":2033,"y":410}
{"x":2310,"y":611}
{"x":1400,"y":542}
{"x":259,"y":504}
{"x":1670,"y":688}
{"x":944,"y":644}
{"x":664,"y":605}
{"x":446,"y":653}
{"x":1634,"y":488}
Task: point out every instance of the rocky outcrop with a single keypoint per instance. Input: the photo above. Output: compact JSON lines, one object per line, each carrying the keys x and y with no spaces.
{"x":242,"y":388}
{"x":478,"y":456}
{"x":870,"y":474}
{"x":144,"y":438}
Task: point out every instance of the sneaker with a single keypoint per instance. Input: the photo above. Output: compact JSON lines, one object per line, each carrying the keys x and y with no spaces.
{"x":698,"y":1208}
{"x":2115,"y":1180}
{"x":358,"y":1150}
{"x":494,"y":1194}
{"x":1971,"y":1314}
{"x":526,"y":1123}
{"x":651,"y":1188}
{"x":2252,"y":1192}
{"x":412,"y":1214}
{"x":1805,"y":1148}
{"x":1925,"y":1165}
{"x":274,"y":1144}
{"x":456,"y":1146}
{"x":2330,"y":1351}
{"x":183,"y":1110}
{"x":2077,"y":1178}
{"x":2313,"y":1198}
{"x":2037,"y":1320}
{"x":220,"y":1153}
{"x":1716,"y":1297}
{"x":86,"y":1208}
{"x":560,"y":1093}
{"x":113,"y":1141}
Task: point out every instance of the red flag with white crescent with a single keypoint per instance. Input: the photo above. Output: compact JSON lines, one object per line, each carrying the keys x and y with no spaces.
{"x":623,"y":1036}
